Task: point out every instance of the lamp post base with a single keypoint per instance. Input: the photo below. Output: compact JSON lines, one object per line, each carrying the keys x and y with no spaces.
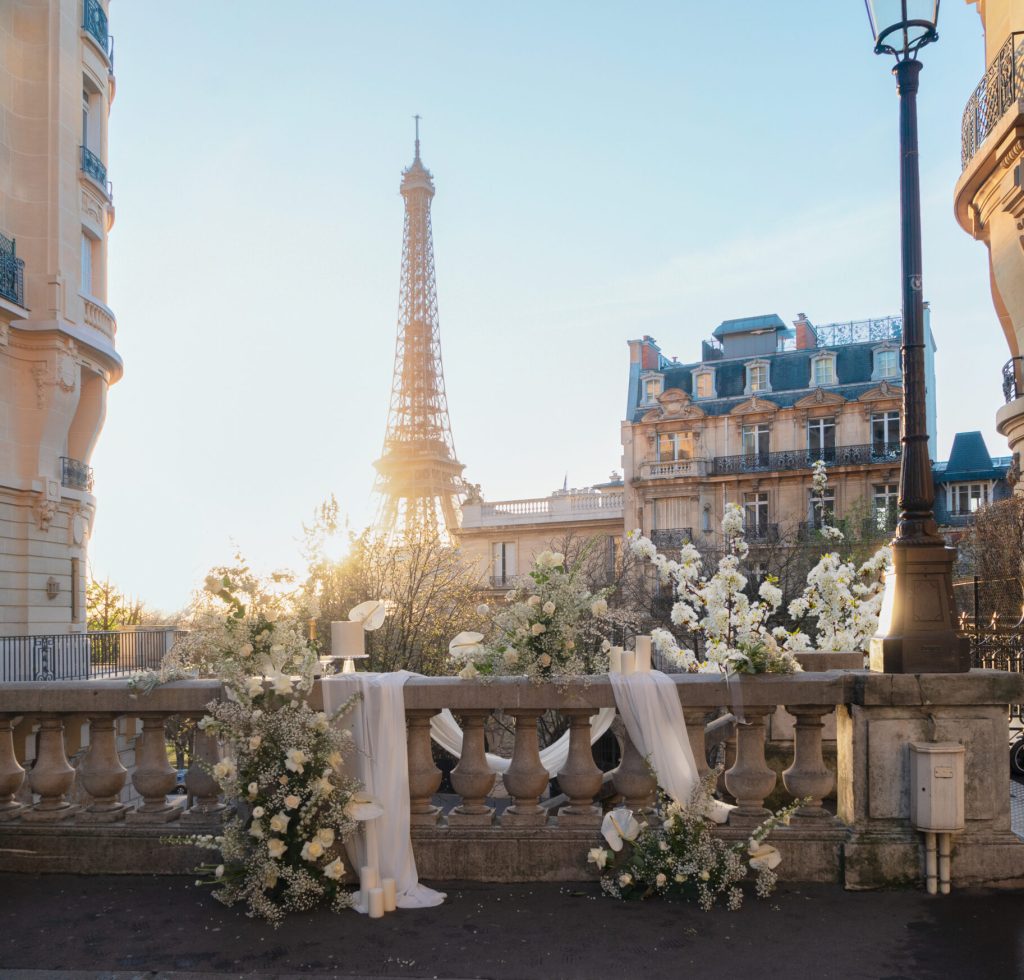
{"x":917,"y":631}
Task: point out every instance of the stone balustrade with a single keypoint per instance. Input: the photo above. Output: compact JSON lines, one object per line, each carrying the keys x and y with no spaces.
{"x":56,"y":816}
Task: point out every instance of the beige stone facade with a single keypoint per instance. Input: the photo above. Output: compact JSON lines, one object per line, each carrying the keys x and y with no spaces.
{"x":989,"y":196}
{"x":57,"y":334}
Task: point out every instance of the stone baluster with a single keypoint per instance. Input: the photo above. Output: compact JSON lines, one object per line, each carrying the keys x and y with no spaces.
{"x":472,"y":778}
{"x":51,"y":776}
{"x":633,"y":779}
{"x":204,"y":789}
{"x":750,"y":780}
{"x":808,"y":776}
{"x":580,"y":778}
{"x":526,"y":778}
{"x":101,"y":774}
{"x":424,"y":776}
{"x":154,"y":777}
{"x":696,"y":719}
{"x":11,"y":773}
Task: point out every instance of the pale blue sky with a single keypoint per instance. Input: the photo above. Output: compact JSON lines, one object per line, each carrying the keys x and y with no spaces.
{"x":603,"y":171}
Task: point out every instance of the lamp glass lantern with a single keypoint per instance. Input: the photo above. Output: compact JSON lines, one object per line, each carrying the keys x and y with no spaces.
{"x":903,"y":27}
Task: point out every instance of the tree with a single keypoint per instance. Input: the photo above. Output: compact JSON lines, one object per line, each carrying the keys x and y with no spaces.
{"x":107,"y":607}
{"x":992,"y":548}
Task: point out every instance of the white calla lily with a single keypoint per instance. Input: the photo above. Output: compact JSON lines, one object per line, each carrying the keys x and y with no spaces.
{"x":764,"y":857}
{"x":370,"y":613}
{"x":619,"y":825}
{"x":465,"y":644}
{"x":363,"y":806}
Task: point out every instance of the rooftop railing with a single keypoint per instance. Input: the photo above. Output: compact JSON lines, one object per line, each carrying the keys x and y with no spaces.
{"x":558,"y":507}
{"x":75,"y":474}
{"x":877,"y":331}
{"x":12,"y":272}
{"x":999,"y":89}
{"x":804,"y":459}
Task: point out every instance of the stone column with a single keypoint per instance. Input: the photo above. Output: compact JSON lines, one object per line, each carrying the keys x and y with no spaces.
{"x":750,"y":779}
{"x":580,"y":778}
{"x":808,"y":776}
{"x":52,"y":776}
{"x":424,"y":776}
{"x":633,"y":779}
{"x":206,"y":806}
{"x":526,"y":779}
{"x":153,"y":778}
{"x":101,"y":774}
{"x":11,"y":773}
{"x":472,"y":778}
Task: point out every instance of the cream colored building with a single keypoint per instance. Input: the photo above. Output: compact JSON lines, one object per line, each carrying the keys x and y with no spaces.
{"x":57,"y":334}
{"x":502,"y":537}
{"x":989,"y":196}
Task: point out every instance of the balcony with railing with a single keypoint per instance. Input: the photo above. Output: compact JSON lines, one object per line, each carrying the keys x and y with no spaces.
{"x":94,"y":168}
{"x":94,"y":23}
{"x":1012,"y":387}
{"x":12,"y":272}
{"x":804,"y":459}
{"x":999,"y":90}
{"x":75,"y":474}
{"x":672,"y":469}
{"x":573,"y":506}
{"x":761,"y":533}
{"x":671,"y":538}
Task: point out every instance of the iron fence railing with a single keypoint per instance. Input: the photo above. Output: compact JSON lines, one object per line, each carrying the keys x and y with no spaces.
{"x":999,"y":89}
{"x":671,"y":537}
{"x":75,"y":474}
{"x":804,"y":459}
{"x":12,"y":272}
{"x":1012,"y":387}
{"x":875,"y":331}
{"x":94,"y":169}
{"x":94,"y":23}
{"x":83,"y":656}
{"x":765,"y":533}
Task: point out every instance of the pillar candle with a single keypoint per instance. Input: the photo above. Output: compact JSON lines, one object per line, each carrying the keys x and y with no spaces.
{"x":615,"y":660}
{"x":643,"y":653}
{"x":628,"y":661}
{"x":376,"y":903}
{"x":368,"y":878}
{"x":387,"y":885}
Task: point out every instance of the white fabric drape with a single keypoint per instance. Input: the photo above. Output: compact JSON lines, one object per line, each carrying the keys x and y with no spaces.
{"x":380,"y":763}
{"x":648,"y":703}
{"x":445,"y":730}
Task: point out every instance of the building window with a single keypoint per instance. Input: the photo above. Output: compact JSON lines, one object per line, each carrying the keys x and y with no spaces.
{"x":758,"y":378}
{"x":503,"y":562}
{"x":887,"y":364}
{"x":821,"y":438}
{"x":756,"y":441}
{"x":755,"y":512}
{"x":704,"y":384}
{"x":885,"y":433}
{"x":885,"y":501}
{"x":967,"y":498}
{"x":88,"y":244}
{"x":675,"y":445}
{"x":651,"y":388}
{"x":823,"y":370}
{"x":822,"y":509}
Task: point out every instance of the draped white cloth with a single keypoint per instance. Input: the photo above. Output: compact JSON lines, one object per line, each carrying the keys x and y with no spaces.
{"x":380,"y":763}
{"x":648,"y":703}
{"x":445,"y":730}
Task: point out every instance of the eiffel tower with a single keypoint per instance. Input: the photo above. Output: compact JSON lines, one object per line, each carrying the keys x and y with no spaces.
{"x":419,"y":478}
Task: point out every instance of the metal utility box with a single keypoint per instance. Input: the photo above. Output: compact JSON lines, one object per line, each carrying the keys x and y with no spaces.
{"x":937,"y":786}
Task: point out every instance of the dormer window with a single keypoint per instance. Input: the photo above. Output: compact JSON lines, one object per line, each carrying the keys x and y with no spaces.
{"x":887,"y":364}
{"x":758,"y":377}
{"x":704,"y":383}
{"x":650,"y":387}
{"x":823,"y":370}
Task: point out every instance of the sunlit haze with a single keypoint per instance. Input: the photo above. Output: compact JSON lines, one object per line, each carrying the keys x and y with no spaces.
{"x":601,"y":173}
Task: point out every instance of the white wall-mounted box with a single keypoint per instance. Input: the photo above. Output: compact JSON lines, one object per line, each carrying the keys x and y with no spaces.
{"x":937,"y":786}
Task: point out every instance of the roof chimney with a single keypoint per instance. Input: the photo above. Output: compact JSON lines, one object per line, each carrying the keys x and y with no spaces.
{"x":806,"y":335}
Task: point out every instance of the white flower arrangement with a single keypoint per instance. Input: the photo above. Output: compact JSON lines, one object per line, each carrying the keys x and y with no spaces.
{"x":282,"y":851}
{"x":539,"y":632}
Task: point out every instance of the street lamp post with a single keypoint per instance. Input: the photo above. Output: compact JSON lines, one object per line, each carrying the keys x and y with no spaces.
{"x":916,"y":630}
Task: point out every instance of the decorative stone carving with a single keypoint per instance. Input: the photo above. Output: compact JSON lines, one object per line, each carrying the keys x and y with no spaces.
{"x":46,"y":511}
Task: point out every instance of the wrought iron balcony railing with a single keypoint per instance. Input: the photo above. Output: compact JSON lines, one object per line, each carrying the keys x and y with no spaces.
{"x":671,"y":537}
{"x":859,"y":331}
{"x":1012,"y":387}
{"x":12,"y":272}
{"x":767,"y":533}
{"x":75,"y":474}
{"x":996,"y":93}
{"x":94,"y":23}
{"x":502,"y":581}
{"x":94,"y":169}
{"x":804,"y":459}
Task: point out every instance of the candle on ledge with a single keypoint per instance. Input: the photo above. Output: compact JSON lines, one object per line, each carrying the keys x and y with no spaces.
{"x":628,"y":661}
{"x":615,"y":660}
{"x":643,"y":653}
{"x":387,"y":886}
{"x":369,"y":877}
{"x":375,"y":905}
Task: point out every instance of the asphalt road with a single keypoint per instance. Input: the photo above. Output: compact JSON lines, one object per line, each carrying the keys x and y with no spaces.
{"x":67,"y":926}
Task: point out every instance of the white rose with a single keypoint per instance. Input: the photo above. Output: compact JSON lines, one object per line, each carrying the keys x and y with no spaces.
{"x":258,"y":811}
{"x":276,"y":847}
{"x":256,"y":831}
{"x":661,"y":881}
{"x":253,"y":789}
{"x":224,"y":771}
{"x":544,"y":660}
{"x":599,"y":608}
{"x":279,"y":823}
{"x":469,"y":671}
{"x":534,"y":600}
{"x":245,"y":650}
{"x":255,"y":741}
{"x":292,"y":802}
{"x":214,"y":584}
{"x":510,"y":657}
{"x":625,"y":879}
{"x":312,"y":850}
{"x":295,"y":760}
{"x":325,"y":837}
{"x":548,"y":608}
{"x":598,"y":856}
{"x":335,"y":869}
{"x":538,"y":628}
